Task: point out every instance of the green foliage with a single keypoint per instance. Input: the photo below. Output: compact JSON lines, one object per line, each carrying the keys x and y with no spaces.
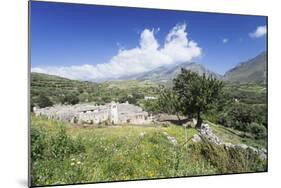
{"x":242,"y":113}
{"x":261,"y":113}
{"x":131,"y":98}
{"x":169,"y":102}
{"x":70,"y":98}
{"x":63,"y":154}
{"x":63,"y":146}
{"x":44,"y":101}
{"x":151,"y":106}
{"x":246,"y":93}
{"x":234,"y":136}
{"x":50,"y":151}
{"x":83,"y":97}
{"x":57,"y":145}
{"x":246,"y":118}
{"x":196,"y":93}
{"x":258,"y":130}
{"x":62,"y":90}
{"x":125,"y":153}
{"x":231,"y":160}
{"x":38,"y":142}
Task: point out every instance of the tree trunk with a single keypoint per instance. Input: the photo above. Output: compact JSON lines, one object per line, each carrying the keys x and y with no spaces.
{"x":199,"y":121}
{"x":178,"y":117}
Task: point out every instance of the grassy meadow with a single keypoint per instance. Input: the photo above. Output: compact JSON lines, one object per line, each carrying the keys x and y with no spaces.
{"x":66,"y":154}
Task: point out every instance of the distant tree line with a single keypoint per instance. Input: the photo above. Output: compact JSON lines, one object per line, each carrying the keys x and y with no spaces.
{"x":44,"y":100}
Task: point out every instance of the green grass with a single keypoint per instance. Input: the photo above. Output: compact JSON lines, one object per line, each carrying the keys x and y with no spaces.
{"x":66,"y":154}
{"x":248,"y":93}
{"x":55,"y":88}
{"x":236,"y":137}
{"x":129,"y":84}
{"x":253,"y":88}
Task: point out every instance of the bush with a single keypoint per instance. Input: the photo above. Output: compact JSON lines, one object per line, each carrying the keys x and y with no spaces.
{"x":70,"y":99}
{"x":38,"y":143}
{"x":261,"y":114}
{"x":52,"y":153}
{"x":59,"y":145}
{"x":150,"y":106}
{"x":231,"y":160}
{"x":84,"y":97}
{"x":242,"y":112}
{"x":62,"y":146}
{"x":44,"y":101}
{"x":258,"y":130}
{"x":245,"y":117}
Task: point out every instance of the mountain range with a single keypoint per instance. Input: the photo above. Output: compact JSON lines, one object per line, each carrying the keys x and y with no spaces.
{"x":251,"y":71}
{"x":165,"y":74}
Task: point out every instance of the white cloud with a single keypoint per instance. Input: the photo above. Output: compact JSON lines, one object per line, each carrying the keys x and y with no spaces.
{"x":225,"y":40}
{"x":259,"y":32}
{"x":148,"y":55}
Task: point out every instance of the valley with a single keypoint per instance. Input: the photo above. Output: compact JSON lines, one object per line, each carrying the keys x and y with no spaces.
{"x":168,"y":145}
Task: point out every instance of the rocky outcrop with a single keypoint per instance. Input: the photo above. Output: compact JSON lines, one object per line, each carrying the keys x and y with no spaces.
{"x":171,"y":139}
{"x":207,"y":133}
{"x":196,"y":138}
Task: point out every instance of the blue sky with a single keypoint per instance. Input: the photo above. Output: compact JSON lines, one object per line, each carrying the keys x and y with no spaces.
{"x":99,"y":42}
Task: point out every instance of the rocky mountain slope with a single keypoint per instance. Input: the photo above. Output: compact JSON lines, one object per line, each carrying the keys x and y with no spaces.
{"x":253,"y":70}
{"x":165,"y":74}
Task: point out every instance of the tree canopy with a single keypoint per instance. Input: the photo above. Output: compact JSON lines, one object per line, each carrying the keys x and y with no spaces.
{"x":196,"y":93}
{"x":168,"y":102}
{"x":44,"y":101}
{"x":70,"y":98}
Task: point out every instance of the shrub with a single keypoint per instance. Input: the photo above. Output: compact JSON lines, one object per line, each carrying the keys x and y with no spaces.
{"x":245,"y":117}
{"x":38,"y":143}
{"x":261,"y":114}
{"x":70,"y":99}
{"x":83,"y":97}
{"x":59,"y":145}
{"x":62,"y":146}
{"x":52,"y":154}
{"x":44,"y":101}
{"x":231,"y":160}
{"x":258,"y":130}
{"x":242,"y":112}
{"x":150,"y":106}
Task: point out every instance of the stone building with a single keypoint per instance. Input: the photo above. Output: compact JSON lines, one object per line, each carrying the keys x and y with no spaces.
{"x":113,"y":113}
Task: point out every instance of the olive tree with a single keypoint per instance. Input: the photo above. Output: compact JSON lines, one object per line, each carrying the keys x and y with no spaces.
{"x":196,"y":93}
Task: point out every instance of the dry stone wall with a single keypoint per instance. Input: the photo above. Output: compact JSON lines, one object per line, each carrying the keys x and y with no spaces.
{"x":207,"y":133}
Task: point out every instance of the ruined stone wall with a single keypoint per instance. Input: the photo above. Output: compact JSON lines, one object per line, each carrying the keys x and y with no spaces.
{"x":208,"y":134}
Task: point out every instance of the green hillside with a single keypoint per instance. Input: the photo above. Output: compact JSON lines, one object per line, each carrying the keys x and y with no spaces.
{"x":56,"y":88}
{"x":249,"y":93}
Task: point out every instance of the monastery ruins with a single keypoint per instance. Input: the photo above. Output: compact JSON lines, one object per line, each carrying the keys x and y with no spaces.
{"x":113,"y":113}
